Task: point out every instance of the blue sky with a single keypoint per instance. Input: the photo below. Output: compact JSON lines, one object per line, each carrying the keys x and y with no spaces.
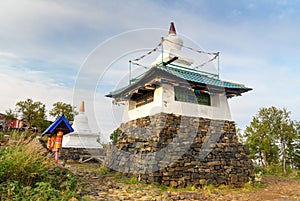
{"x":44,"y":46}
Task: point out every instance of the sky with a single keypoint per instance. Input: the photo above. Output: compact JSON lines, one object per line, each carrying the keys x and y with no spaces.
{"x":78,"y":50}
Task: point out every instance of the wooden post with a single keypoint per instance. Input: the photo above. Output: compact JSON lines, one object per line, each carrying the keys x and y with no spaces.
{"x":56,"y":156}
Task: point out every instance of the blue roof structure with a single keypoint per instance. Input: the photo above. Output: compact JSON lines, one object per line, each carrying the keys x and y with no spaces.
{"x":60,"y":124}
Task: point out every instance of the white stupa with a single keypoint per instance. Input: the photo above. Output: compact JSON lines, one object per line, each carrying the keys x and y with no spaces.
{"x":172,"y":46}
{"x":82,"y":137}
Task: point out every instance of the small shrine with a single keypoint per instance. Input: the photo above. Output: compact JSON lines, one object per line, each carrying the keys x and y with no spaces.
{"x":55,"y":133}
{"x":177,"y":128}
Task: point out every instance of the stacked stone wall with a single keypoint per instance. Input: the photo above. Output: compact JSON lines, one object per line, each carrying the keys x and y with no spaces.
{"x":79,"y":154}
{"x":73,"y":153}
{"x":181,"y":151}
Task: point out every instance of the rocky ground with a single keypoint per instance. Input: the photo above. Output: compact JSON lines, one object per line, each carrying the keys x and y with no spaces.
{"x":98,"y":184}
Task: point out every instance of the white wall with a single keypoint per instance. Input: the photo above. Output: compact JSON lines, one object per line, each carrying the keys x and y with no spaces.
{"x":164,"y":101}
{"x":144,"y":110}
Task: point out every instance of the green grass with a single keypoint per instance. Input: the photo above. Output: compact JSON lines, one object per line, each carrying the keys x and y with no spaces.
{"x":135,"y":184}
{"x":103,"y":171}
{"x":120,"y":177}
{"x":130,"y":180}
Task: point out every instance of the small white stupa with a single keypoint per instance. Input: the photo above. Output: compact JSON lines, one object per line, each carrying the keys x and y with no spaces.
{"x":82,"y":137}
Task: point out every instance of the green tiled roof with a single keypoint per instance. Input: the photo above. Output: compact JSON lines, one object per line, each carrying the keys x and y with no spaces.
{"x":197,"y":77}
{"x":189,"y":75}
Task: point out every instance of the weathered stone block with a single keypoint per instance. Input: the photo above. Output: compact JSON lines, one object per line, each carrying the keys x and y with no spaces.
{"x":173,"y":183}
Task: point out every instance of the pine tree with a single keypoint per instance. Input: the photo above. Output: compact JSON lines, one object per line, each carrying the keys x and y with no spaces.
{"x":272,"y":138}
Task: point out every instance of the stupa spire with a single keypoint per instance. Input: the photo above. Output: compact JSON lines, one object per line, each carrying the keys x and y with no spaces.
{"x":172,"y":29}
{"x":81,"y":108}
{"x":172,"y":46}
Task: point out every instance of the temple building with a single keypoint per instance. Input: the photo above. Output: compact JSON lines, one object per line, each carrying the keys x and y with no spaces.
{"x":177,"y":128}
{"x":172,"y":86}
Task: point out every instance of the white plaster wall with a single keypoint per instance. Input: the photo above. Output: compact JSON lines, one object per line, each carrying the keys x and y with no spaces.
{"x":164,"y":101}
{"x":219,"y":108}
{"x":144,"y":110}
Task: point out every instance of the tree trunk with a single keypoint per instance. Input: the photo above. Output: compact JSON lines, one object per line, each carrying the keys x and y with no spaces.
{"x":265,"y":160}
{"x":261,"y":160}
{"x":283,"y":157}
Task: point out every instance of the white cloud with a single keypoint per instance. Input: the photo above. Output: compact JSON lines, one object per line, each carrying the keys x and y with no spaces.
{"x":60,"y":35}
{"x":7,"y":54}
{"x":15,"y":89}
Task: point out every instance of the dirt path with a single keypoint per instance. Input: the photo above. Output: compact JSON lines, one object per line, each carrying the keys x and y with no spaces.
{"x":114,"y":187}
{"x":278,"y":189}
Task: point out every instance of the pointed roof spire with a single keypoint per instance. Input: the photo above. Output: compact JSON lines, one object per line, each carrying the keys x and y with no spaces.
{"x":172,"y":29}
{"x":81,"y":108}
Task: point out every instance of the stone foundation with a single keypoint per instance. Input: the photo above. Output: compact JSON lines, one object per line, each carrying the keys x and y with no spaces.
{"x":79,"y":154}
{"x":181,"y":151}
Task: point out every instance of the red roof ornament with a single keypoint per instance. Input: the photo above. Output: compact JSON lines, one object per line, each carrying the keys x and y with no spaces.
{"x":172,"y":29}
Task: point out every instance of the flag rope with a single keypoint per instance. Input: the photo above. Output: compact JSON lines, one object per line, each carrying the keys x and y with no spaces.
{"x":216,"y":55}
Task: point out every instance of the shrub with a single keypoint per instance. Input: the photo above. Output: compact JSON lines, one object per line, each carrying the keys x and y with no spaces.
{"x":259,"y":170}
{"x":114,"y":136}
{"x":23,"y":164}
{"x":26,"y":173}
{"x":298,"y":174}
{"x":272,"y":169}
